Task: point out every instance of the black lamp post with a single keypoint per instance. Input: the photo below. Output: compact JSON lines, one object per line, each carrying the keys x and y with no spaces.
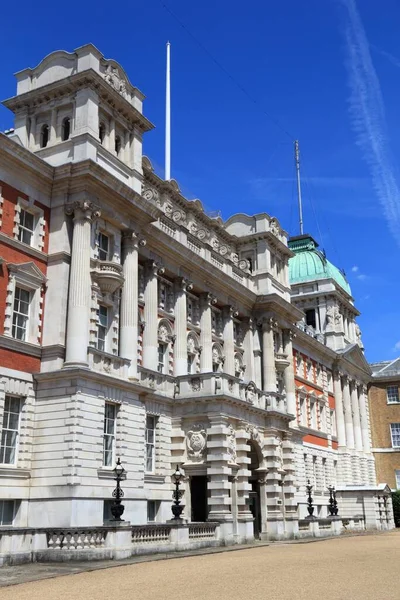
{"x":177,"y":508}
{"x":332,"y":507}
{"x":117,"y":508}
{"x":310,"y":506}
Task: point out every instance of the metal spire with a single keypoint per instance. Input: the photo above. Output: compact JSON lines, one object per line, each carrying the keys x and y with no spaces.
{"x":168,"y":116}
{"x":297,"y":162}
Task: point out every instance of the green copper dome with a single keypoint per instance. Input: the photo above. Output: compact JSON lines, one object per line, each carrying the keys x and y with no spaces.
{"x":310,"y":264}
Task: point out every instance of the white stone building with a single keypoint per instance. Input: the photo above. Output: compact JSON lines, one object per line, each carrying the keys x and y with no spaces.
{"x":138,"y":327}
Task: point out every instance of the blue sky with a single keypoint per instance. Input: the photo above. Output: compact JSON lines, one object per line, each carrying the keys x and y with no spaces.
{"x":328,"y":71}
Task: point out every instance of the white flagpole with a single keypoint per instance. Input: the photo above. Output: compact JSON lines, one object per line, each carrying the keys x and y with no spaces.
{"x":168,"y":116}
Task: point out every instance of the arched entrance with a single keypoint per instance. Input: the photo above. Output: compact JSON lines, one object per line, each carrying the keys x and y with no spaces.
{"x":254,"y":494}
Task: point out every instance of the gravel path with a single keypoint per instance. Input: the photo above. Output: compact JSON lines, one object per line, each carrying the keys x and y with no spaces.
{"x":354,"y":568}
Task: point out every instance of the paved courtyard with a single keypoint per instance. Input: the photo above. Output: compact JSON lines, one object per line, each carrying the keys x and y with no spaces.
{"x":348,"y":568}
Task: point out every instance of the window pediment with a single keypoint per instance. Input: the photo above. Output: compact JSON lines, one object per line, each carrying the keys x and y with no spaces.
{"x":28,"y":274}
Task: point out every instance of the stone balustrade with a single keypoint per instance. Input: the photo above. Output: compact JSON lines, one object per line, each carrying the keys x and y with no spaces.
{"x":151,"y":534}
{"x":110,"y":364}
{"x":75,"y":539}
{"x":201,"y":531}
{"x":165,"y":384}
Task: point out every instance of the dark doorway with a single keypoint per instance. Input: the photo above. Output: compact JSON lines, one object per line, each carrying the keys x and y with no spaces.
{"x":198,"y":493}
{"x":254,"y":495}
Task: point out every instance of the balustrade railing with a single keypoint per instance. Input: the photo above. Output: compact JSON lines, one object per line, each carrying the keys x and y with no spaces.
{"x":75,"y":539}
{"x":147,"y":534}
{"x":201,"y":531}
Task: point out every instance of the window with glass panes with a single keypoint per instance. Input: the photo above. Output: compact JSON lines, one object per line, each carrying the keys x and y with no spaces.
{"x":26,"y":227}
{"x":397,"y":474}
{"x":161,"y":358}
{"x":392,"y":394}
{"x":152,"y":510}
{"x":190,"y":363}
{"x":22,"y":299}
{"x":151,"y":424}
{"x":103,"y":246}
{"x":10,"y":430}
{"x":7,"y":508}
{"x":395,"y":433}
{"x":109,"y":434}
{"x":102,"y":326}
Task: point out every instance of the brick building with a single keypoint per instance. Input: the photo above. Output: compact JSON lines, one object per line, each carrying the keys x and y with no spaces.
{"x":384,"y":402}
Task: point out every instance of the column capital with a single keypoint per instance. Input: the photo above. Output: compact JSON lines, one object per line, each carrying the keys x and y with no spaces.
{"x":208,"y":299}
{"x":132,"y":238}
{"x":230,"y":312}
{"x":183,"y":284}
{"x":268,"y":323}
{"x":155,"y":267}
{"x":83,"y":210}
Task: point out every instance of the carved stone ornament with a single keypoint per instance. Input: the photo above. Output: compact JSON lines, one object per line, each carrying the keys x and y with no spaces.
{"x":150,"y":194}
{"x":250,"y":393}
{"x":196,"y":441}
{"x":196,"y":384}
{"x":274,"y":227}
{"x":254,"y":433}
{"x":113,"y":77}
{"x":231,"y":438}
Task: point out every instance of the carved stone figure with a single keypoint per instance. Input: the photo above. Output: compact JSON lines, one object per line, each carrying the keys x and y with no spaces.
{"x":232,"y":444}
{"x":196,"y":441}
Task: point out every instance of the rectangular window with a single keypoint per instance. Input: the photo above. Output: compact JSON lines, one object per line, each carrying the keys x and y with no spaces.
{"x":397,"y":474}
{"x":189,"y":309}
{"x":162,"y":300}
{"x":26,"y":227}
{"x":10,"y":430}
{"x":334,"y":472}
{"x":303,"y":415}
{"x":395,"y":432}
{"x":324,"y":473}
{"x":313,"y":415}
{"x":314,"y":471}
{"x":102,"y":327}
{"x":103,"y":246}
{"x":161,"y":358}
{"x":392,"y":394}
{"x":190,"y":363}
{"x":109,"y":434}
{"x":151,"y":423}
{"x":152,"y":510}
{"x":333,"y":423}
{"x":20,"y":320}
{"x":310,"y":318}
{"x":7,"y":512}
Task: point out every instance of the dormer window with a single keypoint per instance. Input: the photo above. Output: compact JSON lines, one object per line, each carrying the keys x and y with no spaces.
{"x":102,"y":133}
{"x":44,"y":136}
{"x":66,"y":129}
{"x":117,"y":145}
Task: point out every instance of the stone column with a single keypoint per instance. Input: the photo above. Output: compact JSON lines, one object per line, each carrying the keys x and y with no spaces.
{"x":288,"y":374}
{"x":245,"y":517}
{"x":180,"y":346}
{"x":206,"y":301}
{"x":77,"y":336}
{"x":32,"y":132}
{"x":268,"y":356}
{"x":128,"y":337}
{"x":340,"y":425}
{"x":362,"y":397}
{"x":249,"y":351}
{"x":127,"y":148}
{"x":257,"y":357}
{"x":53,"y":126}
{"x":150,"y":339}
{"x":111,"y":145}
{"x":229,"y":343}
{"x":356,"y":417}
{"x":262,"y":482}
{"x":348,"y":417}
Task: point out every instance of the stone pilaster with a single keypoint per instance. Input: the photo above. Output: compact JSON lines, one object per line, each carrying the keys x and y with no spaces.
{"x":180,"y":346}
{"x":77,"y":336}
{"x":32,"y":132}
{"x":268,"y":355}
{"x":206,"y":301}
{"x":273,"y":454}
{"x":363,"y":403}
{"x":340,"y":425}
{"x":289,"y":484}
{"x":53,"y":126}
{"x":229,"y":343}
{"x":243,"y":487}
{"x":288,"y":374}
{"x":249,"y":350}
{"x":128,"y":340}
{"x":218,"y":470}
{"x":348,"y":417}
{"x":150,"y":340}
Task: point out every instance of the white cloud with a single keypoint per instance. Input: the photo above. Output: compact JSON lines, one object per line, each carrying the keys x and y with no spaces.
{"x":362,"y":277}
{"x":396,"y":346}
{"x":354,"y":269}
{"x":367,"y":113}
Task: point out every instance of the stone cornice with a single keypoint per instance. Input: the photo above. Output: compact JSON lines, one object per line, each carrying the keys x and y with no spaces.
{"x":20,"y":156}
{"x":278,"y":307}
{"x":24,"y":248}
{"x":69,"y":85}
{"x":334,"y":292}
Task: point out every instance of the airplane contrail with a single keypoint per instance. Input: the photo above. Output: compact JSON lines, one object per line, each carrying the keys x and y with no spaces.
{"x":367,"y":113}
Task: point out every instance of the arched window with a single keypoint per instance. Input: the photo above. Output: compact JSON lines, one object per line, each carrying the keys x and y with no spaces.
{"x":117,"y":145}
{"x":102,"y":132}
{"x":65,"y":129}
{"x":193,"y":353}
{"x":44,"y":136}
